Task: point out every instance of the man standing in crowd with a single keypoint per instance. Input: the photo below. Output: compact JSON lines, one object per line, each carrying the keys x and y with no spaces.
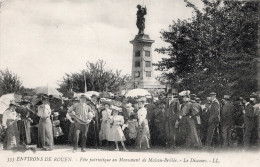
{"x":159,"y":124}
{"x":257,"y":118}
{"x":150,"y":117}
{"x":239,"y":119}
{"x":248,"y":121}
{"x":94,"y":126}
{"x":214,"y":118}
{"x":171,"y":116}
{"x":227,"y":116}
{"x":81,"y":113}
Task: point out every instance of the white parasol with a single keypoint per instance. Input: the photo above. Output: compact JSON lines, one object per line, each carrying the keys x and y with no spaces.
{"x":6,"y":99}
{"x":137,"y":93}
{"x":47,"y":90}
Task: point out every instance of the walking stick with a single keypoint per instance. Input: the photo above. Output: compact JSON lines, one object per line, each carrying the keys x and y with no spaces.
{"x":95,"y":134}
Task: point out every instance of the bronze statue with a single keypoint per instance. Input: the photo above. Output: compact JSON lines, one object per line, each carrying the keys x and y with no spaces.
{"x":140,"y":22}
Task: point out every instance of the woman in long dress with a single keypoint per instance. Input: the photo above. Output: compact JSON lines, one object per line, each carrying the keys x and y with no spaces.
{"x":10,"y":118}
{"x":45,"y":132}
{"x":187,"y":125}
{"x":105,"y":124}
{"x":143,"y":135}
{"x":24,"y":125}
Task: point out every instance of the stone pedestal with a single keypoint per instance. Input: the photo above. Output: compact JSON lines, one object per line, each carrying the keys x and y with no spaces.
{"x":142,"y":60}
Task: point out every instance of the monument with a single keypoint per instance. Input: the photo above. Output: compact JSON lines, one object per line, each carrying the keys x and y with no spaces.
{"x":142,"y":59}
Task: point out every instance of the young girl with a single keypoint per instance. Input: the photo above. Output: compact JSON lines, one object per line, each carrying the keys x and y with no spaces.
{"x":117,"y":134}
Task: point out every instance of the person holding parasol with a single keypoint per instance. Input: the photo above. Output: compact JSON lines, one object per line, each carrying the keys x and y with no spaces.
{"x":45,"y":132}
{"x":10,"y":118}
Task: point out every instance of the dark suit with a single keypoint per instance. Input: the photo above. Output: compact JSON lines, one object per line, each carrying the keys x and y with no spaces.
{"x":214,"y":115}
{"x":257,"y":120}
{"x":171,"y":115}
{"x":249,"y":121}
{"x":150,"y":117}
{"x":227,"y":116}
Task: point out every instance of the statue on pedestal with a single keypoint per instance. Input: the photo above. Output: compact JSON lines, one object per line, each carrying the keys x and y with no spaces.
{"x":140,"y":22}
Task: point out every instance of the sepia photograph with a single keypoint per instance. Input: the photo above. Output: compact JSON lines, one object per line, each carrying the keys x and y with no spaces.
{"x":130,"y":83}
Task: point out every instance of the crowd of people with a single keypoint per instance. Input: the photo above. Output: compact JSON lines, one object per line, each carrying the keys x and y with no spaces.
{"x":174,"y":121}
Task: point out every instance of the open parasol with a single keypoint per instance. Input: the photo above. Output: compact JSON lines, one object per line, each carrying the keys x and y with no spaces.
{"x":137,"y":93}
{"x":6,"y":99}
{"x":48,"y":91}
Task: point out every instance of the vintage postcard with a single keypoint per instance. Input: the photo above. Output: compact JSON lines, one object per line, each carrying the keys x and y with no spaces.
{"x":130,"y":83}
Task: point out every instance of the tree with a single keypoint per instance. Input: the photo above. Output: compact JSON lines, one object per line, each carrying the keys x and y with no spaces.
{"x":98,"y":78}
{"x":215,"y":50}
{"x":9,"y":82}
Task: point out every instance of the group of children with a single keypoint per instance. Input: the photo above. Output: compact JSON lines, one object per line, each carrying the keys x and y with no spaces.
{"x":116,"y":129}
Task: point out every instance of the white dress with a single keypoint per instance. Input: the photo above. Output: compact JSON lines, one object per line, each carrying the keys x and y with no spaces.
{"x":116,"y":130}
{"x":141,"y":113}
{"x":105,"y":125}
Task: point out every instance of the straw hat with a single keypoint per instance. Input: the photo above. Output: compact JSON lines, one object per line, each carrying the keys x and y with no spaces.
{"x":142,"y":99}
{"x":212,"y":94}
{"x":226,"y":97}
{"x":13,"y":103}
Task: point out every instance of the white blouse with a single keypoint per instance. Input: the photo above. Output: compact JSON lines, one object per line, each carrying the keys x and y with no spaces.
{"x":141,"y":113}
{"x":44,"y":111}
{"x":9,"y":114}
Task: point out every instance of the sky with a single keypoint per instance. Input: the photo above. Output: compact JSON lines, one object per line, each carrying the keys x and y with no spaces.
{"x":41,"y":40}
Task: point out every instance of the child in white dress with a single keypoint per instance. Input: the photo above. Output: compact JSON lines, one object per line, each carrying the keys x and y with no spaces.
{"x":117,"y":134}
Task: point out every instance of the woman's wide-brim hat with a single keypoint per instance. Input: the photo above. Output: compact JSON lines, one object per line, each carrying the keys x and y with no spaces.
{"x":75,"y":99}
{"x":24,"y":102}
{"x":115,"y":108}
{"x":83,"y":97}
{"x":13,"y":103}
{"x":142,"y":99}
{"x":45,"y":97}
{"x":56,"y":114}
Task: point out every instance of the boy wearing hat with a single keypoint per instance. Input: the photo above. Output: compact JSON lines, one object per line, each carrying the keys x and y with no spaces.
{"x":227,"y":115}
{"x":214,"y":118}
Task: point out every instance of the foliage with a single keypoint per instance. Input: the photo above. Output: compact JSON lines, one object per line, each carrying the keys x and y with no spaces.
{"x":215,"y":50}
{"x":98,"y":78}
{"x":9,"y":82}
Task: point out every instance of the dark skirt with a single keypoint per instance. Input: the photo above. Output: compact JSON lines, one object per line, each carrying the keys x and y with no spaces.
{"x":45,"y":133}
{"x":189,"y":133}
{"x":24,"y":127}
